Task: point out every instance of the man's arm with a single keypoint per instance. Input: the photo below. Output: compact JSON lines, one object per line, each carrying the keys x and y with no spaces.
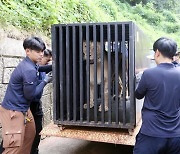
{"x":30,"y":87}
{"x":45,"y":68}
{"x":138,"y":95}
{"x":140,"y":91}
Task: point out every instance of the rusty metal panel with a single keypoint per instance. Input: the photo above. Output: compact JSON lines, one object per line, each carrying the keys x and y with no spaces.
{"x":115,"y":136}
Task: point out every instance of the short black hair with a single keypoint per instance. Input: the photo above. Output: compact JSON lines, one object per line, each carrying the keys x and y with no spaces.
{"x":34,"y":43}
{"x":166,"y":46}
{"x":47,"y":53}
{"x":177,"y":54}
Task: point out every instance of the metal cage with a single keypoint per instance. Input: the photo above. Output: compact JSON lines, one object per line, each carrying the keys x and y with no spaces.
{"x":94,"y":66}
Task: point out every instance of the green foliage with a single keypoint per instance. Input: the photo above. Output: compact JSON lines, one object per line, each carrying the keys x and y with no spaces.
{"x":165,"y":5}
{"x":133,"y":2}
{"x":153,"y":22}
{"x":75,"y":11}
{"x":158,"y":4}
{"x":110,"y":8}
{"x":29,"y":14}
{"x":171,"y":27}
{"x":169,"y":17}
{"x":152,"y":16}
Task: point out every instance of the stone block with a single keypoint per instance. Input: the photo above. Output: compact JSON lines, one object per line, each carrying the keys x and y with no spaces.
{"x":11,"y":62}
{"x":47,"y":118}
{"x":7,"y":74}
{"x":1,"y":69}
{"x":46,"y":102}
{"x":48,"y":89}
{"x":12,"y":47}
{"x":3,"y":88}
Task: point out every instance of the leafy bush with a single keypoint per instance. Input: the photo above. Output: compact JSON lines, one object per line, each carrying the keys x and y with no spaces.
{"x":110,"y":8}
{"x":165,"y":5}
{"x":30,"y":14}
{"x":75,"y":11}
{"x":171,"y":27}
{"x":169,"y":17}
{"x":150,"y":15}
{"x":38,"y":16}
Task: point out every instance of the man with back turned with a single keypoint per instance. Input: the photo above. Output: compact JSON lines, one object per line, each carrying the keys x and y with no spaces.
{"x":160,"y":87}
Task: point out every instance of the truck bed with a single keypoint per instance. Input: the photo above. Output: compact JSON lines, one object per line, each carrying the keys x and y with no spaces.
{"x":107,"y":135}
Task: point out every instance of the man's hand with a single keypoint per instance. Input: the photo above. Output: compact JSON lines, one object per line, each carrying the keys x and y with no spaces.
{"x":138,"y":76}
{"x":48,"y":78}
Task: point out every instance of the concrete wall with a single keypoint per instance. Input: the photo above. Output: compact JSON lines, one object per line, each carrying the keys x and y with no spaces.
{"x":11,"y":53}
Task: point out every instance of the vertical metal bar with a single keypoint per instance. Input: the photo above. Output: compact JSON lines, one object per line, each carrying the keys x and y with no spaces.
{"x":74,"y":75}
{"x":102,"y":73}
{"x":95,"y":72}
{"x":124,"y":73}
{"x":81,"y":72}
{"x":131,"y":53}
{"x":109,"y":74}
{"x":116,"y":75}
{"x":55,"y":65}
{"x":88,"y":73}
{"x":61,"y":73}
{"x":67,"y":73}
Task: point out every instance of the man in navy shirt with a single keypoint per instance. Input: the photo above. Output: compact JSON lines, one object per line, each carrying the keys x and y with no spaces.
{"x":18,"y":128}
{"x":160,"y":130}
{"x":36,"y":104}
{"x":176,"y":59}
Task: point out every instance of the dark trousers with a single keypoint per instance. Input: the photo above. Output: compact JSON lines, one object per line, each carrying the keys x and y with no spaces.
{"x":156,"y":145}
{"x":38,"y":123}
{"x":1,"y":148}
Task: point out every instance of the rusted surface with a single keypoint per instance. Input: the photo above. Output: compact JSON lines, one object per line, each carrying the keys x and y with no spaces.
{"x":115,"y":136}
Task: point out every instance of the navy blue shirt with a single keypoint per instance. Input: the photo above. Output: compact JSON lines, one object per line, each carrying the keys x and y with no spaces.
{"x":36,"y":104}
{"x":41,"y":77}
{"x":161,"y":108}
{"x":23,"y":86}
